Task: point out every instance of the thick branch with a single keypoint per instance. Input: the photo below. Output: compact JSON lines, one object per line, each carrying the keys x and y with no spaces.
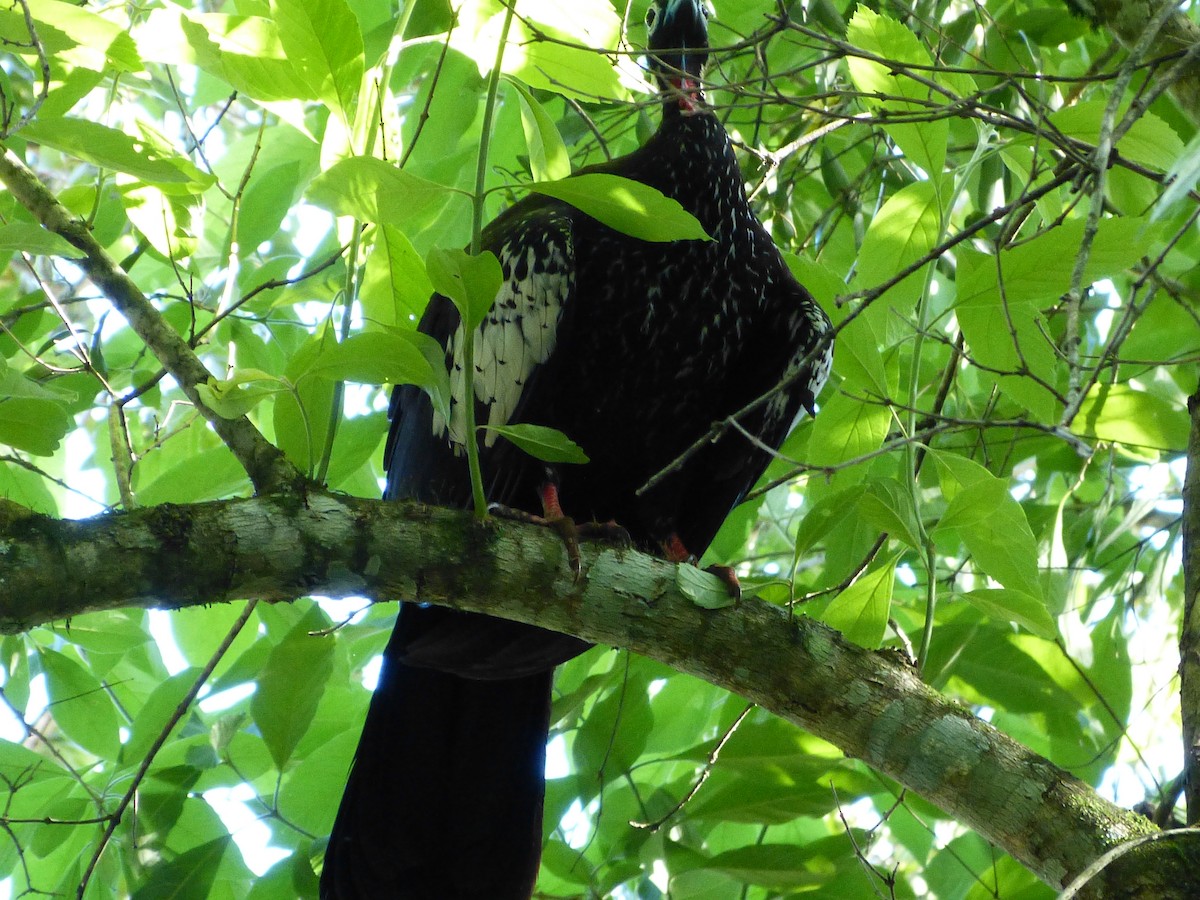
{"x":1189,"y":633}
{"x":265,"y":464}
{"x":870,"y":704}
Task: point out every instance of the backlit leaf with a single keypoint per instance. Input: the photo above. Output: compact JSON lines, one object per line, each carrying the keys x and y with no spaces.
{"x":626,"y":206}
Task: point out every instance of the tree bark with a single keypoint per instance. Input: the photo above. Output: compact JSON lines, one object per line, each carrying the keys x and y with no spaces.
{"x":870,"y":704}
{"x":1189,"y":632}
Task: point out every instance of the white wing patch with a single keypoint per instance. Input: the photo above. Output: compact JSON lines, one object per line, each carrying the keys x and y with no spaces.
{"x":520,"y":332}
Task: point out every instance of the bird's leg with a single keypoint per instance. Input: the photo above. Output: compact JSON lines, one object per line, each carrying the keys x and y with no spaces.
{"x":674,"y":551}
{"x":553,"y":517}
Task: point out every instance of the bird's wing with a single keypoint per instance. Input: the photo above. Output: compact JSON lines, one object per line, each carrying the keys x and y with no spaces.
{"x":424,"y":454}
{"x":521,"y":331}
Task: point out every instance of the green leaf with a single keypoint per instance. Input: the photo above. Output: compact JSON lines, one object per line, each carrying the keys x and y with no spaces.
{"x":246,"y":52}
{"x":825,"y":515}
{"x":1124,"y":415}
{"x":80,"y":705}
{"x":100,"y":42}
{"x":158,"y":710}
{"x":1149,"y":141}
{"x":394,"y":356}
{"x":34,"y":425}
{"x":233,"y":397}
{"x":375,"y":357}
{"x":291,"y":685}
{"x":29,"y":238}
{"x":108,"y":148}
{"x":889,"y":507}
{"x":203,"y":475}
{"x":994,"y":529}
{"x":767,"y":797}
{"x":860,"y":612}
{"x":772,"y":865}
{"x":395,"y":287}
{"x":627,"y":206}
{"x":906,"y":228}
{"x":898,"y":93}
{"x":856,"y":358}
{"x":546,"y":60}
{"x":847,"y":428}
{"x":372,"y":190}
{"x":1181,"y":178}
{"x":957,"y":472}
{"x":704,"y":589}
{"x":975,"y":502}
{"x":163,"y":219}
{"x":471,"y":282}
{"x":541,"y":442}
{"x":322,"y":40}
{"x":1003,"y":605}
{"x":189,"y":875}
{"x":548,"y":157}
{"x":301,"y":416}
{"x":27,"y":489}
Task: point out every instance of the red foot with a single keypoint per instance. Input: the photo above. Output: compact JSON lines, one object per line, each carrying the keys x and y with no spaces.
{"x":553,"y":517}
{"x":674,"y":551}
{"x":729,"y":578}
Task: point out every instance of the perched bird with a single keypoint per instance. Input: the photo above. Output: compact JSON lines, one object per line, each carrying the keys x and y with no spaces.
{"x":632,"y":349}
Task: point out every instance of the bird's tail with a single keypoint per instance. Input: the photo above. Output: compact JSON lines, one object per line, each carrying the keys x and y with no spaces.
{"x":444,"y":800}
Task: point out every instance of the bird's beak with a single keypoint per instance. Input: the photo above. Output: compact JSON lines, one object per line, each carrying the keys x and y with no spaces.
{"x":687,"y":86}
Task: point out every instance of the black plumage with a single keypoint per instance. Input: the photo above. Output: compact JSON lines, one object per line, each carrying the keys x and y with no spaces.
{"x":632,"y":349}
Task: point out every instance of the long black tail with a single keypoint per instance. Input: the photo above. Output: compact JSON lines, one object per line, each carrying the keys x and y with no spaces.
{"x":444,"y":800}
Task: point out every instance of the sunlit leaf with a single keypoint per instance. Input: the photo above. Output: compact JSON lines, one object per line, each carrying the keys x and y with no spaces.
{"x":548,"y":159}
{"x":29,"y":238}
{"x":1124,"y":415}
{"x":860,"y":612}
{"x":108,"y":148}
{"x":627,"y":206}
{"x":471,"y":282}
{"x":80,"y":704}
{"x":372,"y":190}
{"x":1003,"y":605}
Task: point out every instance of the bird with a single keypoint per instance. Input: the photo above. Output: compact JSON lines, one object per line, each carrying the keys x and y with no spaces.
{"x":633,"y":349}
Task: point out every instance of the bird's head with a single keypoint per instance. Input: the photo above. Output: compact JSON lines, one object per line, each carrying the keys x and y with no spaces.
{"x":677,"y":41}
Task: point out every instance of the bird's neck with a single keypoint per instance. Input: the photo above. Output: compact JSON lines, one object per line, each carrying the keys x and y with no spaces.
{"x":693,"y":150}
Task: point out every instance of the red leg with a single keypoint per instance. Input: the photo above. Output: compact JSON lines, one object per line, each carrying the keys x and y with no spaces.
{"x":675,"y":551}
{"x":553,"y":517}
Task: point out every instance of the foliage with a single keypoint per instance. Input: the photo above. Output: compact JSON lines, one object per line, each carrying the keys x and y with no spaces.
{"x":990,"y":484}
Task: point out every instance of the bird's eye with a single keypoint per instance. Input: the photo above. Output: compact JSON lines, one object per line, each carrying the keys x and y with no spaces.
{"x":651,"y":15}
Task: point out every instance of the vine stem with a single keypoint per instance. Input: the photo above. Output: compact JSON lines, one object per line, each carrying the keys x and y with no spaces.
{"x":354,"y":269}
{"x":470,"y":440}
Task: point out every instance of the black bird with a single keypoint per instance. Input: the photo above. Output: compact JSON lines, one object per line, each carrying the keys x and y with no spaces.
{"x":632,"y":349}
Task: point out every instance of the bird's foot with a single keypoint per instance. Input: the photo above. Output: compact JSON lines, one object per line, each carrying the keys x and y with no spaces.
{"x":609,"y":532}
{"x":571,"y":533}
{"x":674,"y":551}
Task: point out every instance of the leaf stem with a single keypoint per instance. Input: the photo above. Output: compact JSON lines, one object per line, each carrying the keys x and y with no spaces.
{"x":471,"y":439}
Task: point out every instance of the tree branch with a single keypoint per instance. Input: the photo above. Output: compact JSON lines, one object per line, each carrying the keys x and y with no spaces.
{"x":266,"y":465}
{"x":870,"y":704}
{"x":1189,"y":632}
{"x":1128,"y":19}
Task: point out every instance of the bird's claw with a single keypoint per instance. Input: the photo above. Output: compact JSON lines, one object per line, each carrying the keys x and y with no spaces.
{"x":674,"y":551}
